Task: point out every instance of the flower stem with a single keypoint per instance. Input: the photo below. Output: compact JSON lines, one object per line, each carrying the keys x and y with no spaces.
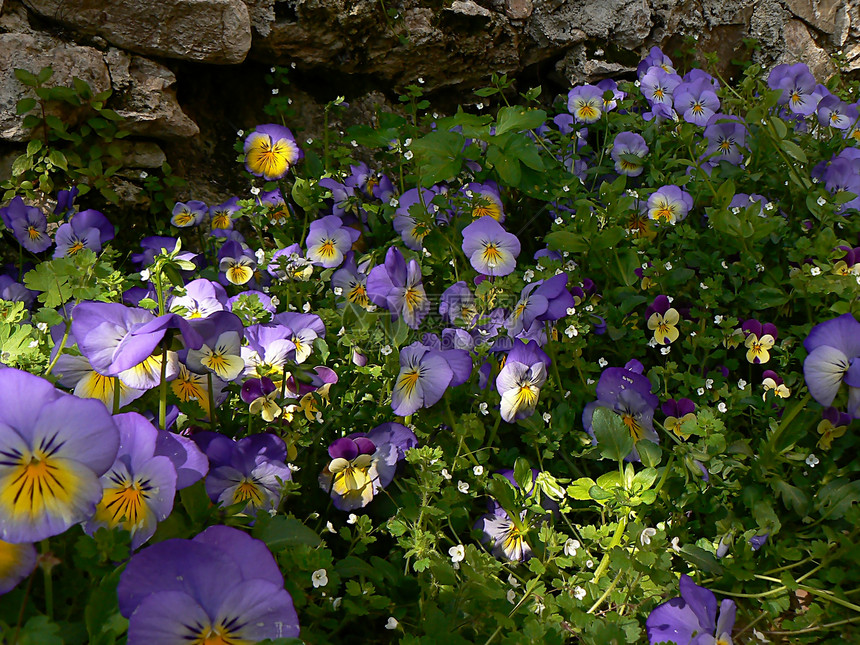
{"x":59,"y":348}
{"x":49,"y":583}
{"x":213,"y":422}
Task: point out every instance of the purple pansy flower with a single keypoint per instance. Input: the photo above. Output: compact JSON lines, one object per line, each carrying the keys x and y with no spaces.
{"x":202,"y":298}
{"x":18,"y":561}
{"x":398,"y":287}
{"x":363,"y":464}
{"x":457,"y":303}
{"x":88,"y":229}
{"x":270,"y":151}
{"x":799,"y":89}
{"x":188,"y":214}
{"x":139,"y":486}
{"x":221,"y":216}
{"x":628,"y":149}
{"x":53,"y":449}
{"x":414,"y":216}
{"x":220,"y":353}
{"x":833,"y":425}
{"x":833,"y":359}
{"x":663,"y":320}
{"x":677,"y":414}
{"x":836,"y":113}
{"x":251,"y":470}
{"x":222,"y":586}
{"x":236,"y":263}
{"x":329,"y":240}
{"x":658,"y":85}
{"x":696,"y":101}
{"x":585,"y":103}
{"x":543,"y":300}
{"x":119,"y":341}
{"x":490,"y":248}
{"x":627,"y":392}
{"x":655,"y":58}
{"x":486,"y":200}
{"x":608,"y":85}
{"x":519,"y":382}
{"x":669,"y":204}
{"x":28,"y":224}
{"x":692,"y":618}
{"x":726,"y":136}
{"x":760,"y":339}
{"x":261,"y":394}
{"x":351,"y":281}
{"x":268,"y":348}
{"x":425,"y":374}
{"x":66,"y":201}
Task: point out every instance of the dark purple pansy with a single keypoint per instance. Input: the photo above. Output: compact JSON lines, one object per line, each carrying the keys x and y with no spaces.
{"x":692,"y":618}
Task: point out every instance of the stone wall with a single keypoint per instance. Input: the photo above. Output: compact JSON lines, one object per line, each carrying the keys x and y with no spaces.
{"x":187,"y":74}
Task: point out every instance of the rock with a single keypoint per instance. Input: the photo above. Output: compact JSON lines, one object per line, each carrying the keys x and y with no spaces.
{"x":34,"y":52}
{"x":211,"y":31}
{"x":469,"y":8}
{"x":146,"y":98}
{"x":262,"y":15}
{"x":627,"y":23}
{"x":519,"y":9}
{"x":799,"y":45}
{"x":141,"y":154}
{"x":820,"y":14}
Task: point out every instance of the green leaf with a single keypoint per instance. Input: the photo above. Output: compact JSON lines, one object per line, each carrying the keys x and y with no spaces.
{"x":701,"y":559}
{"x":613,"y":437}
{"x":25,"y":105}
{"x":280,"y":532}
{"x":793,"y":150}
{"x":196,"y":502}
{"x":567,"y":241}
{"x":517,"y":118}
{"x":523,"y":474}
{"x":792,"y":497}
{"x":27,"y":78}
{"x":58,"y":159}
{"x":649,"y":452}
{"x":580,"y":488}
{"x":44,"y":75}
{"x":836,"y":497}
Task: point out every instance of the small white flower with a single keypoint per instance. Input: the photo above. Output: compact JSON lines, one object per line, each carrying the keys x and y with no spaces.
{"x":478,"y":470}
{"x":579,"y":593}
{"x":538,"y":607}
{"x":446,"y":474}
{"x":741,"y":384}
{"x":821,"y":201}
{"x":392,"y":623}
{"x":336,"y":602}
{"x":511,"y":596}
{"x":275,"y":301}
{"x":463,"y":487}
{"x":352,"y":519}
{"x":759,"y":268}
{"x":815,"y":271}
{"x":589,"y":564}
{"x":718,"y":319}
{"x":724,"y":265}
{"x":769,"y":206}
{"x":588,"y":307}
{"x":338,"y":291}
{"x":700,"y":391}
{"x":426,"y":253}
{"x":421,"y":80}
{"x":812,"y":461}
{"x":319,"y":578}
{"x":145,"y":275}
{"x":665,"y":350}
{"x":457,"y":553}
{"x":529,"y":275}
{"x":42,"y":327}
{"x":736,"y":210}
{"x":309,"y":141}
{"x":571,"y":546}
{"x":341,"y":331}
{"x":408,"y":155}
{"x":566,"y":188}
{"x":144,"y":174}
{"x":513,"y":581}
{"x":571,"y":311}
{"x":567,"y":394}
{"x":255,"y":190}
{"x":676,"y":547}
{"x":275,"y":91}
{"x":709,"y":383}
{"x":721,"y":406}
{"x":571,"y":331}
{"x":240,"y":133}
{"x":353,"y":143}
{"x":330,"y":527}
{"x":484,"y":408}
{"x":559,"y":221}
{"x":652,"y":342}
{"x":260,"y":254}
{"x":547,"y":417}
{"x":703,"y":286}
{"x":480,"y":106}
{"x":272,"y":69}
{"x":668,"y":266}
{"x":692,"y":334}
{"x":589,"y":381}
{"x":386,"y":350}
{"x":761,"y":637}
{"x":646,"y":535}
{"x":602,"y":362}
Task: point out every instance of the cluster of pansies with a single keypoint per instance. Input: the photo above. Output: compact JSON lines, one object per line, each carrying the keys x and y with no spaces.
{"x":372,"y":356}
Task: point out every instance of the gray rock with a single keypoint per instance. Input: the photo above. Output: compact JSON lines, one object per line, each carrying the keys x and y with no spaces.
{"x":519,"y":9}
{"x":141,"y":154}
{"x":33,"y":52}
{"x":146,"y":98}
{"x":625,"y":22}
{"x":211,"y":31}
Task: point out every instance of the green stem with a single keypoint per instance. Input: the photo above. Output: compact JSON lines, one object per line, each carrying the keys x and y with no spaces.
{"x":23,"y":607}
{"x":815,"y":628}
{"x":494,"y":431}
{"x":49,"y":583}
{"x":60,"y":348}
{"x":616,"y":539}
{"x":213,"y":422}
{"x":787,"y":419}
{"x":606,"y":593}
{"x":162,"y":384}
{"x":117,"y":391}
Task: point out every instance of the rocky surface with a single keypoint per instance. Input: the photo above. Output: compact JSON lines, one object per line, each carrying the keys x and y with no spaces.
{"x":186,"y":74}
